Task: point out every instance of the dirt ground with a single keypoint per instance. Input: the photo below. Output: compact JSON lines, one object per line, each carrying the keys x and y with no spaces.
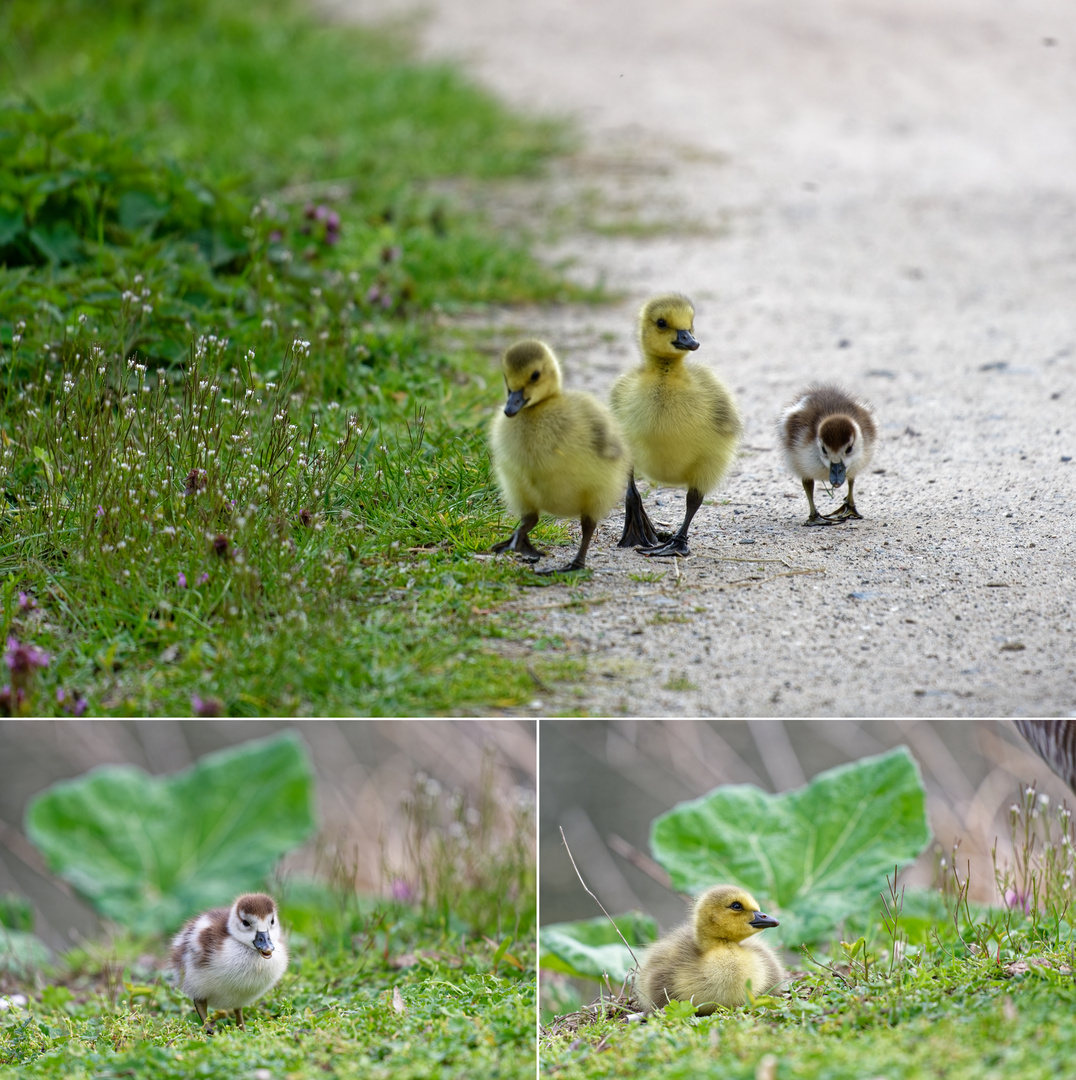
{"x":881,"y":192}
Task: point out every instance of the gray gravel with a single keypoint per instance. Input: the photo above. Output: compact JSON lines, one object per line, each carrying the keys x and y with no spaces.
{"x":882,"y":193}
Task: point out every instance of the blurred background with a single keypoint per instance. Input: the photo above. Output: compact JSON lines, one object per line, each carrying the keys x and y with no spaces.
{"x":605,"y":781}
{"x":367,"y":773}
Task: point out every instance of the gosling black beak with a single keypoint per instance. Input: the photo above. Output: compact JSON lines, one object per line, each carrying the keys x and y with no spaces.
{"x":515,"y":403}
{"x":263,"y":944}
{"x":760,"y":921}
{"x":836,"y":473}
{"x":684,"y":340}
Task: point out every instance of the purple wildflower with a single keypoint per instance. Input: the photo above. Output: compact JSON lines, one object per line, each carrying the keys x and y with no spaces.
{"x":22,"y":659}
{"x":203,"y":580}
{"x":181,"y":580}
{"x":401,"y":890}
{"x":100,"y":511}
{"x":1014,"y":899}
{"x":26,"y":602}
{"x":75,"y":705}
{"x":210,"y":706}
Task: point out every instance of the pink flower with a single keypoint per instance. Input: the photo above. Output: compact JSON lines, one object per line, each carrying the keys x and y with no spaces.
{"x":1014,"y":899}
{"x":181,"y":581}
{"x":22,"y":659}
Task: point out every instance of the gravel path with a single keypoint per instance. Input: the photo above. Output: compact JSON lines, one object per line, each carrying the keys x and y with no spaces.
{"x":875,"y":191}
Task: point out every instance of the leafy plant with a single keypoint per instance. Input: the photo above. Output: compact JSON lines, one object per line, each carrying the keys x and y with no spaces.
{"x":592,"y":948}
{"x":816,"y":855}
{"x":149,"y":851}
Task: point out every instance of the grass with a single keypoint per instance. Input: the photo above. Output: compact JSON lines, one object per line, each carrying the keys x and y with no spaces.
{"x":442,"y":984}
{"x":383,"y":992}
{"x":932,"y":987}
{"x":240,"y":473}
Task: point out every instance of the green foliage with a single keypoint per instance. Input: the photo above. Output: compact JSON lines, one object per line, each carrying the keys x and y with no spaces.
{"x":592,"y":948}
{"x":239,"y":472}
{"x":817,"y":854}
{"x":149,"y":851}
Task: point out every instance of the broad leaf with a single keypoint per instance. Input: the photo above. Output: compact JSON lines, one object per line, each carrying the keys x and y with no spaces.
{"x":151,"y":851}
{"x":814,"y":855}
{"x":592,"y":948}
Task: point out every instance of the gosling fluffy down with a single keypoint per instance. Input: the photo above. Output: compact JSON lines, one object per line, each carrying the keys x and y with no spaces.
{"x":227,"y":958}
{"x":554,"y":450}
{"x":828,"y":435}
{"x":681,"y":423}
{"x":710,"y":959}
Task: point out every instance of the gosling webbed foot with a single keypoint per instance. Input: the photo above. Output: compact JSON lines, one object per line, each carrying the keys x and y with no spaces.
{"x":519,"y":542}
{"x":639,"y":530}
{"x":845,"y":512}
{"x":675,"y":547}
{"x":571,"y":568}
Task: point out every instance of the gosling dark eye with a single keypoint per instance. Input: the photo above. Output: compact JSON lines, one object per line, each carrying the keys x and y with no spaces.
{"x":246,"y":925}
{"x":736,"y":905}
{"x":662,"y":324}
{"x":534,"y":377}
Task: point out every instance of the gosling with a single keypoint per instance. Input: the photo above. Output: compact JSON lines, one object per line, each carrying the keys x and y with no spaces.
{"x":681,"y":423}
{"x":227,"y":958}
{"x":827,"y":435}
{"x":554,"y":450}
{"x":710,"y":960}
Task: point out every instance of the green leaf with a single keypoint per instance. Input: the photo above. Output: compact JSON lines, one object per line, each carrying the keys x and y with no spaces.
{"x":151,"y":851}
{"x":592,"y":948}
{"x":814,"y":855}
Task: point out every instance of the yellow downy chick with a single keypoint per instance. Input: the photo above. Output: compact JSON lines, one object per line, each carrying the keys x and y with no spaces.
{"x":554,"y":450}
{"x":681,"y":423}
{"x":709,"y":960}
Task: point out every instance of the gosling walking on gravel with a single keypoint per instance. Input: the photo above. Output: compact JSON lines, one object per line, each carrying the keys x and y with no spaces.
{"x":554,"y":450}
{"x":681,"y":423}
{"x":829,"y":436}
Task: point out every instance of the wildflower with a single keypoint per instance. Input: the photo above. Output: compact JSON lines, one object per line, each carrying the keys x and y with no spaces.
{"x":181,"y":580}
{"x":26,"y":603}
{"x":209,"y":706}
{"x":12,"y":701}
{"x":1014,"y":899}
{"x":401,"y":890}
{"x":21,"y":659}
{"x":75,"y":705}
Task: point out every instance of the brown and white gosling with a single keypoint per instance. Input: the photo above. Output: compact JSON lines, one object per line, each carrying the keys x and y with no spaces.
{"x":554,"y":450}
{"x":710,"y":960}
{"x":829,"y":436}
{"x":681,"y":423}
{"x":227,"y":958}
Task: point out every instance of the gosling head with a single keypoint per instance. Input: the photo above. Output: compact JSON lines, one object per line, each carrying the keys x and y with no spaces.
{"x":665,"y":327}
{"x":531,"y":374}
{"x":727,"y":913}
{"x":840,"y":446}
{"x":252,"y":921}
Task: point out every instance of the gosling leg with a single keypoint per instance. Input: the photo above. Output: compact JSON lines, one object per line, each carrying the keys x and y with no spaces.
{"x":239,"y":1019}
{"x":201,"y":1005}
{"x":677,"y":545}
{"x":814,"y":518}
{"x":580,"y":560}
{"x":639,"y":530}
{"x":519,"y":541}
{"x":847,"y":509}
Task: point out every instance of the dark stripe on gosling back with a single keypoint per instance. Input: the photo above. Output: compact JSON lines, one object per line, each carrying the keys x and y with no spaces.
{"x":211,"y":937}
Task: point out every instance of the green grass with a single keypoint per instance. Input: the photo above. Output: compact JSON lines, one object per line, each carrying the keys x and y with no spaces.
{"x":240,"y":471}
{"x":461,"y":1011}
{"x":990,"y":995}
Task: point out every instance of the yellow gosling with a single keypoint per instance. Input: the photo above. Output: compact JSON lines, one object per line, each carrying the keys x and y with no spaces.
{"x":554,"y":450}
{"x":710,"y":960}
{"x":681,"y":423}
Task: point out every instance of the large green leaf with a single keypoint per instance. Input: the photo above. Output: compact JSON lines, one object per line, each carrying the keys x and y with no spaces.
{"x":151,"y":851}
{"x":815,"y":855}
{"x":593,"y":948}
